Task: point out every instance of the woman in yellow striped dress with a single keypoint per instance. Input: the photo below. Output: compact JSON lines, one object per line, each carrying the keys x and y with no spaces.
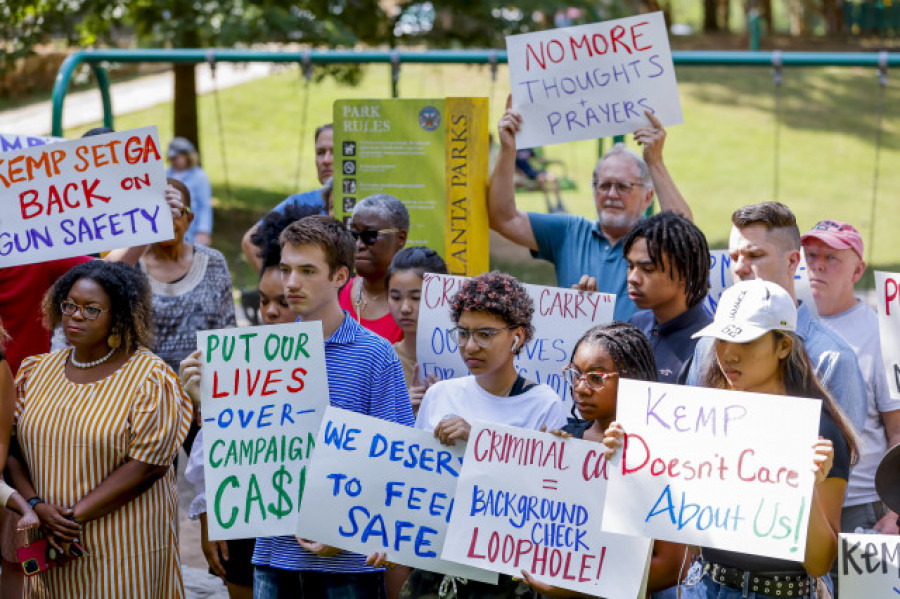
{"x":98,"y":426}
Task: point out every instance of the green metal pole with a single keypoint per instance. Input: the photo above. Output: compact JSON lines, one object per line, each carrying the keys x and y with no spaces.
{"x":103,"y":83}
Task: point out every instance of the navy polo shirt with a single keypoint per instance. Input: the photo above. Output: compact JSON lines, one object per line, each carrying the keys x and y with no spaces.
{"x":671,"y":341}
{"x":576,"y":247}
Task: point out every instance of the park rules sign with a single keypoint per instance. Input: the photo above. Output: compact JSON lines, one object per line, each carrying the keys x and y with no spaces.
{"x":592,"y":81}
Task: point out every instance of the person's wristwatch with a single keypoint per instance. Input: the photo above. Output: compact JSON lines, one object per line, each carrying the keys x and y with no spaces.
{"x":35,"y":501}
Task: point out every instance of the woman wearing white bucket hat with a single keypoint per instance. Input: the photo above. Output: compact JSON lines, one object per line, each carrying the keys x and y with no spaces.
{"x":757,"y":350}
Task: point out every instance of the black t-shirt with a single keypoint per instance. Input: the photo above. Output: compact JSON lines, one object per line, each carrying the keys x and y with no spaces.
{"x":576,"y":427}
{"x":758,"y":563}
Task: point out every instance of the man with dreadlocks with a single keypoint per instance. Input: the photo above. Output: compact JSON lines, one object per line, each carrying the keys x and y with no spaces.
{"x":668,"y":277}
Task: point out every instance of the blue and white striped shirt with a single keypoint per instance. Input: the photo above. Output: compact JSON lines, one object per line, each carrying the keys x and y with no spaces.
{"x":364,"y":376}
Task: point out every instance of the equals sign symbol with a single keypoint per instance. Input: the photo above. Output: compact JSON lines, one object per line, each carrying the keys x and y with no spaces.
{"x":551,"y":484}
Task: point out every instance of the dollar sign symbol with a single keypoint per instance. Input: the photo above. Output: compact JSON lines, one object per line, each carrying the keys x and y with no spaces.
{"x":278,"y":482}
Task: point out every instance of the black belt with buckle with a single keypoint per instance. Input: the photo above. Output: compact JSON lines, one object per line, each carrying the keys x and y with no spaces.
{"x":780,"y":584}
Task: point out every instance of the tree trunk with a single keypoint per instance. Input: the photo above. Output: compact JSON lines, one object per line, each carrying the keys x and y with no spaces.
{"x":710,"y":16}
{"x":185,"y":122}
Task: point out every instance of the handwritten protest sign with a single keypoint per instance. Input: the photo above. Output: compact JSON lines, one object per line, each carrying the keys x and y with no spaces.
{"x":592,"y":81}
{"x":532,"y":501}
{"x":387,"y":488}
{"x":10,"y":141}
{"x":82,"y":196}
{"x":264,"y":391}
{"x":869,"y":565}
{"x":561,"y":316}
{"x":887,"y":290}
{"x":700,"y":467}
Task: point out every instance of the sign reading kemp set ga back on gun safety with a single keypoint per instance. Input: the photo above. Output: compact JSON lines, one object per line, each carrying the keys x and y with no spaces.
{"x":82,"y":196}
{"x":592,"y":81}
{"x":379,"y":486}
{"x":264,"y":390}
{"x":869,"y":565}
{"x":714,"y":468}
{"x":533,"y":501}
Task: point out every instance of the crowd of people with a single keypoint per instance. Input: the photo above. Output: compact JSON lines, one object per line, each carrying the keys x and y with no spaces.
{"x":89,"y":433}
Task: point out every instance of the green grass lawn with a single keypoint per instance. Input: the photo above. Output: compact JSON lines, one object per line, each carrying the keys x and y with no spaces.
{"x":722,"y":157}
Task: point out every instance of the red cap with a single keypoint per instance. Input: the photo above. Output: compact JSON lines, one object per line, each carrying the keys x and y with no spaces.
{"x":836,"y":235}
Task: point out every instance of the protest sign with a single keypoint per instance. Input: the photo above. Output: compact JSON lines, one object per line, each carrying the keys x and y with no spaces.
{"x":383,"y":487}
{"x":561,"y":316}
{"x":887,"y":290}
{"x":592,"y":81}
{"x":264,"y":390}
{"x":82,"y":196}
{"x":702,"y":467}
{"x":869,"y":565}
{"x":11,"y":141}
{"x":532,"y":501}
{"x":432,"y":154}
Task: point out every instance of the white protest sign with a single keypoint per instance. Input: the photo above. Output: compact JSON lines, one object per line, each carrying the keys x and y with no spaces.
{"x":82,"y":196}
{"x":264,"y":390}
{"x":713,"y":468}
{"x":379,"y":486}
{"x":887,"y":290}
{"x":592,"y":81}
{"x":532,"y":501}
{"x":869,"y":565}
{"x":561,"y":316}
{"x":10,"y":141}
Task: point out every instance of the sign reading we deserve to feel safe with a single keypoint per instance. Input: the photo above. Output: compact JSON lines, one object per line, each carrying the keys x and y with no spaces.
{"x":264,"y":390}
{"x":592,"y":81}
{"x":713,"y":468}
{"x":532,"y":501}
{"x":82,"y":196}
{"x":379,"y":486}
{"x":561,"y":316}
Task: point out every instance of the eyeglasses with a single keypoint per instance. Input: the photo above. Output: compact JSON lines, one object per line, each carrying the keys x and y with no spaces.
{"x":622,"y":187}
{"x":482,"y":337}
{"x":69,"y":308}
{"x":595,"y":380}
{"x":370,"y":236}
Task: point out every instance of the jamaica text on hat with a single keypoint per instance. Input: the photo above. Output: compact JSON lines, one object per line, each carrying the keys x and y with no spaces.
{"x":750,"y":309}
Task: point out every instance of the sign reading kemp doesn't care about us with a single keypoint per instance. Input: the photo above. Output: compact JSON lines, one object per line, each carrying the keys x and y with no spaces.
{"x":561,"y":316}
{"x":264,"y":390}
{"x":714,"y":468}
{"x":82,"y":196}
{"x":592,"y":81}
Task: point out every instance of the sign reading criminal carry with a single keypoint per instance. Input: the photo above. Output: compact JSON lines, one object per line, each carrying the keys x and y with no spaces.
{"x":82,"y":196}
{"x":713,"y":468}
{"x":532,"y":501}
{"x":592,"y":81}
{"x":379,"y":486}
{"x":264,"y":390}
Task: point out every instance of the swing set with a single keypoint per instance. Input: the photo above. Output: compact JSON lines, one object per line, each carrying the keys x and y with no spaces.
{"x":307,"y":60}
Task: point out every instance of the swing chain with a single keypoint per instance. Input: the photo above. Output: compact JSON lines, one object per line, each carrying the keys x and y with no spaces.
{"x":883,"y":81}
{"x":777,"y":64}
{"x":395,"y":72}
{"x":883,"y":68}
{"x":211,"y":61}
{"x":306,"y":71}
{"x":494,"y":61}
{"x":777,"y":79}
{"x":306,"y":65}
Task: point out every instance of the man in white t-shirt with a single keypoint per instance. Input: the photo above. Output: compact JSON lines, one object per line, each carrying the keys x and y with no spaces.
{"x":834,"y":253}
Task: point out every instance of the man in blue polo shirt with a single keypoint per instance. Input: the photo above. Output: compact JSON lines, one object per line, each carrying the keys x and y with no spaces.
{"x":364,"y":375}
{"x":623,"y":184}
{"x":668,"y":278}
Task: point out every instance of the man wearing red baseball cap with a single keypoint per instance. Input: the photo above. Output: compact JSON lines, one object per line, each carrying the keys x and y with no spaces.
{"x":834,"y":257}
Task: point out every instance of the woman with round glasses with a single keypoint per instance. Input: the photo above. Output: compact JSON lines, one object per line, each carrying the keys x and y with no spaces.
{"x":98,"y":425}
{"x":379,"y":226}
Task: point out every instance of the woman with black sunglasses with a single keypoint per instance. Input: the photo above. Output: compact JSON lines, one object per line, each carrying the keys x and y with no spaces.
{"x":379,"y":225}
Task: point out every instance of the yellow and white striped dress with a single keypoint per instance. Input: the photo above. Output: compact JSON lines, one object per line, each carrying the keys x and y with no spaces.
{"x":73,"y":436}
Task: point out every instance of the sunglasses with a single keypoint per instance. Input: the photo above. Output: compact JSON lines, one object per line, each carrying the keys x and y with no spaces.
{"x":370,"y":236}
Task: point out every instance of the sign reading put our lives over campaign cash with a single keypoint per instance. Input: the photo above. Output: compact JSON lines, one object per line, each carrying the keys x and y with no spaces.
{"x":887,"y":290}
{"x":82,"y":196}
{"x":713,"y":468}
{"x":561,"y":316}
{"x":387,"y":488}
{"x":532,"y":501}
{"x":264,"y":390}
{"x":592,"y":81}
{"x":869,"y":565}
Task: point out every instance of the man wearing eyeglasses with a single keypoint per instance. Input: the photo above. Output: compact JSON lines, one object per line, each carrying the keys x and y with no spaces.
{"x":583,"y":250}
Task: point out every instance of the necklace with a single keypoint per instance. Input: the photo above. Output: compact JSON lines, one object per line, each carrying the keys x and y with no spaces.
{"x":361,"y":302}
{"x":78,"y":364}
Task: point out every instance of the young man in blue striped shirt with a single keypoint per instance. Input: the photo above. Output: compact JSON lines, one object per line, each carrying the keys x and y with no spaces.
{"x":364,"y":375}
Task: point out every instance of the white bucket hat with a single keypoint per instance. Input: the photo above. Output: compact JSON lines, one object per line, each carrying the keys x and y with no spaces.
{"x":750,"y":309}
